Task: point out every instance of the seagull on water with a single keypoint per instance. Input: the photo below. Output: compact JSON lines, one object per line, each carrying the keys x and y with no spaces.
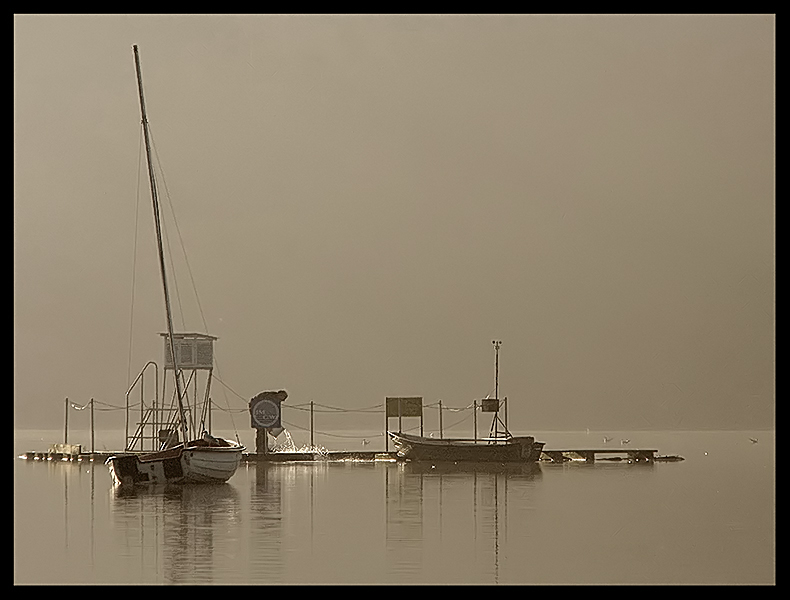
{"x":365,"y":442}
{"x":606,"y":439}
{"x":753,"y":440}
{"x":624,"y":442}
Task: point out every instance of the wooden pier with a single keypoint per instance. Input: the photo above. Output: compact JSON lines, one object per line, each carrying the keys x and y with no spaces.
{"x":274,"y":457}
{"x":629,"y":454}
{"x":340,"y":455}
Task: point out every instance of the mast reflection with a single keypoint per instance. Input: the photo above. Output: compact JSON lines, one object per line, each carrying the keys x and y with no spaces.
{"x":416,"y":514}
{"x":174,"y":525}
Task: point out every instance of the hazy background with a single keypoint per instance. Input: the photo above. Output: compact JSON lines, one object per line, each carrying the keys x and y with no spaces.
{"x":368,"y":201}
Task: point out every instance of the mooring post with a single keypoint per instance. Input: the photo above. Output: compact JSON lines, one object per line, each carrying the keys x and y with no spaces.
{"x":66,"y":432}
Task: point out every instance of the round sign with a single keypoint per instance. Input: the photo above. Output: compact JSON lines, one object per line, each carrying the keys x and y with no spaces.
{"x":266,"y":413}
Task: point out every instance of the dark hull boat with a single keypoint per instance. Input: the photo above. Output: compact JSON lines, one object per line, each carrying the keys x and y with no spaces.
{"x":501,"y":447}
{"x":507,"y":449}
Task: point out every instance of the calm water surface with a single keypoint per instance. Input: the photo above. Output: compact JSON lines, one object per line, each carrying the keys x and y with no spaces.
{"x":707,"y":520}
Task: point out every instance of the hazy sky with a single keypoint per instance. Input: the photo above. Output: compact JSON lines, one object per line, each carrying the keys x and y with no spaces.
{"x":368,"y":201}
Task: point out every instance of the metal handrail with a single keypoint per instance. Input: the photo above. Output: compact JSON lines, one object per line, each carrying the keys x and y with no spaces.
{"x":141,"y":379}
{"x":139,"y":433}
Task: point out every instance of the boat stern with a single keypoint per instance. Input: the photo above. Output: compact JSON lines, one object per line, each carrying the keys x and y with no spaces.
{"x":529,"y":450}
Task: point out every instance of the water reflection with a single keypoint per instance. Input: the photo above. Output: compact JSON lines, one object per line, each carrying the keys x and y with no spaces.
{"x":266,"y":515}
{"x":65,"y":471}
{"x":354,"y":523}
{"x":529,"y":471}
{"x":420,"y":547}
{"x":173,"y":527}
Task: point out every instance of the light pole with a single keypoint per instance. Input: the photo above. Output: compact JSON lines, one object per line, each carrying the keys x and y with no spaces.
{"x":497,"y":344}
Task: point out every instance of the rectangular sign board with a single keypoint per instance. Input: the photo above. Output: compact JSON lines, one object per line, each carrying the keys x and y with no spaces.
{"x":489,"y":405}
{"x":404,"y":406}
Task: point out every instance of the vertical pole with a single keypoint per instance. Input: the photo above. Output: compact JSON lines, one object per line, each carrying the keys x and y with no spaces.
{"x":496,"y":344}
{"x":261,"y":443}
{"x":142,"y":411}
{"x":400,"y":417}
{"x":421,"y":434}
{"x":474,"y":409}
{"x":441,"y":430}
{"x":126,"y":430}
{"x":157,"y":406}
{"x":195,"y":432}
{"x":496,"y":373}
{"x":209,"y":415}
{"x":166,"y":414}
{"x":66,"y":431}
{"x":92,"y":429}
{"x":154,"y":423}
{"x":312,"y":423}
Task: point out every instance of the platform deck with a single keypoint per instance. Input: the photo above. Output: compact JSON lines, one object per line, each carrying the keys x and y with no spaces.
{"x":590,"y":455}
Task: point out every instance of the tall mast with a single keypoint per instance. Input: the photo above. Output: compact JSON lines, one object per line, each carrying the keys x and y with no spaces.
{"x":157,"y":222}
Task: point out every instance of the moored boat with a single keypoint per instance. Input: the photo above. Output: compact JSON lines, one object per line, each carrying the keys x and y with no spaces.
{"x":503,"y":449}
{"x":196,"y":461}
{"x":501,"y":446}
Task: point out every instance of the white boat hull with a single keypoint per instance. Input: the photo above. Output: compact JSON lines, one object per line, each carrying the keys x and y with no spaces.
{"x":177,"y":465}
{"x":210,"y":466}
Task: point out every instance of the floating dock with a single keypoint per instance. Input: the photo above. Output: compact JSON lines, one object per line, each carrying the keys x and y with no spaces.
{"x":631,"y":454}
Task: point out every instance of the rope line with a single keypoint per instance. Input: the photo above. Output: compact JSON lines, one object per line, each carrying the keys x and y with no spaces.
{"x":377,"y":409}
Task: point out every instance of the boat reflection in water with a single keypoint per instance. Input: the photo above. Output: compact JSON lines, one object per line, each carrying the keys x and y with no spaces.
{"x":426,"y":502}
{"x":177,"y":527}
{"x":527,"y":471}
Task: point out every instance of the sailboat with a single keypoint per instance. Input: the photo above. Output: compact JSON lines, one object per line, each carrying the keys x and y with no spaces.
{"x":207,"y":459}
